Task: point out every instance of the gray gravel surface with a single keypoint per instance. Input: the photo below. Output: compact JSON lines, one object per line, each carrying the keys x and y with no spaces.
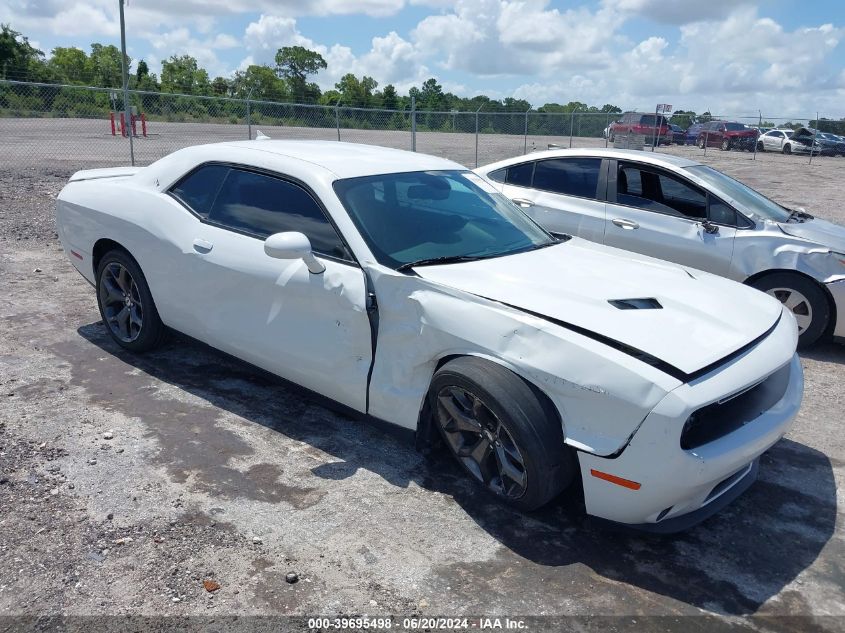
{"x":215,"y":472}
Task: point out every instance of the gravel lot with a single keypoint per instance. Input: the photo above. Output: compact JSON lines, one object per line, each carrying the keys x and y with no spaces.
{"x":126,"y":482}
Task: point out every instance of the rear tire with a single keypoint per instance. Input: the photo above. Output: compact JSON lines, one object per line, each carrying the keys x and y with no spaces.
{"x":126,"y":305}
{"x":760,"y":147}
{"x":700,"y":143}
{"x":726,"y":145}
{"x":501,"y":431}
{"x":805,"y":298}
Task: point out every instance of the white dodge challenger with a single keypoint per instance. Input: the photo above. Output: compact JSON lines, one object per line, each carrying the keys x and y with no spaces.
{"x":405,"y":288}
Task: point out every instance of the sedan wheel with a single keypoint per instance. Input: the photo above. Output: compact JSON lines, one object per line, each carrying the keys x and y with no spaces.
{"x":760,"y":147}
{"x":502,"y":431}
{"x":802,"y":296}
{"x":797,"y":303}
{"x":787,"y":149}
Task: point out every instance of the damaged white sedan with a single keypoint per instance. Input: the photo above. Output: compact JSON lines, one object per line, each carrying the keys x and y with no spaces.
{"x":407,"y":289}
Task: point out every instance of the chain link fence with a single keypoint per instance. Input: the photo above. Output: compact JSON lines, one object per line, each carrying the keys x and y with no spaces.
{"x":74,"y":127}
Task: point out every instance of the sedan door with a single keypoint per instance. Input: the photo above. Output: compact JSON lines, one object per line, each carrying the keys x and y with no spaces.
{"x":657,"y":213}
{"x":563,"y":195}
{"x":311,"y":329}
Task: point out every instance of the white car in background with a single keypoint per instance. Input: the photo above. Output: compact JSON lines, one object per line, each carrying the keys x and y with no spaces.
{"x":405,"y":288}
{"x":681,"y":211}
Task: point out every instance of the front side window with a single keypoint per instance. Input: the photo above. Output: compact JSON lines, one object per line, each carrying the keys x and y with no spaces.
{"x":659,"y":192}
{"x":569,"y":176}
{"x":261,"y":205}
{"x":198,"y":189}
{"x":750,"y":201}
{"x":413,"y":216}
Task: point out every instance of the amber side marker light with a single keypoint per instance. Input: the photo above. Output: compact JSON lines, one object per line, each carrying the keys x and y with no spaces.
{"x":625,"y":483}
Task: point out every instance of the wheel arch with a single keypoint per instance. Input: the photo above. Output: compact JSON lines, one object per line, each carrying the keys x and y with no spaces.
{"x":427,"y":436}
{"x":103,"y":246}
{"x":788,"y":271}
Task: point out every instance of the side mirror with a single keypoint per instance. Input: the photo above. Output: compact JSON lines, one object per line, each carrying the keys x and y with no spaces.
{"x":709,"y":227}
{"x":293,"y":245}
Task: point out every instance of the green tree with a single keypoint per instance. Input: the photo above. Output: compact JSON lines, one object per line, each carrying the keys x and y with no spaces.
{"x":683,"y":118}
{"x":182,"y":74}
{"x":18,"y":58}
{"x":388,"y":97}
{"x":143,"y":71}
{"x":262,"y":82}
{"x":294,"y":64}
{"x":356,"y":92}
{"x":70,"y":65}
{"x":431,"y":96}
{"x":105,"y":66}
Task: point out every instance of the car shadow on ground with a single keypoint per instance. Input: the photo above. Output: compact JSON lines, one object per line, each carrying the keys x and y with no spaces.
{"x":731,"y":564}
{"x":826,"y":351}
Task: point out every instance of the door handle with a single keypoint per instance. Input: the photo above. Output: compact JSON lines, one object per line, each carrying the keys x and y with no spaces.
{"x":523,"y":202}
{"x":628,"y":225}
{"x":202,"y":246}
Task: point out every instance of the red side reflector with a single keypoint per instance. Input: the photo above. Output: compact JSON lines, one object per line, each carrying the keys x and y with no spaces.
{"x":625,"y":483}
{"x":75,"y":254}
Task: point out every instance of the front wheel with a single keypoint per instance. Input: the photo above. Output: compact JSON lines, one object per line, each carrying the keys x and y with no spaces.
{"x":726,"y":145}
{"x":125,"y":303}
{"x":787,"y":149}
{"x":700,"y":143}
{"x":804,"y":298}
{"x":501,"y":432}
{"x":760,"y":147}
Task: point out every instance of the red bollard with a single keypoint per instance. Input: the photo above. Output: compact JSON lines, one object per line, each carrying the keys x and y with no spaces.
{"x":134,"y":131}
{"x":111,"y":116}
{"x":143,"y":125}
{"x":122,"y":124}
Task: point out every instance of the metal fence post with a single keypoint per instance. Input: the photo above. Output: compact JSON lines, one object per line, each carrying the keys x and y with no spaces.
{"x":525,"y":144}
{"x":476,"y":133}
{"x":413,"y":124}
{"x":815,"y":134}
{"x":337,"y":118}
{"x":572,"y":125}
{"x":124,"y":71}
{"x":606,"y":128}
{"x":248,"y":116}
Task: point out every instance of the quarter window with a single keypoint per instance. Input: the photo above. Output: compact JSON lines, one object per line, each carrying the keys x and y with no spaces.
{"x":520,"y":175}
{"x":198,"y":189}
{"x":569,"y":176}
{"x":262,"y":205}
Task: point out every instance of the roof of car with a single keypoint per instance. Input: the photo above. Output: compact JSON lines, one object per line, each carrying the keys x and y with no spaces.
{"x":656,"y":158}
{"x":349,"y":160}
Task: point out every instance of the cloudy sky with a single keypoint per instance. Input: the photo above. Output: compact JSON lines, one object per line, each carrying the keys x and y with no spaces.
{"x":786,"y":57}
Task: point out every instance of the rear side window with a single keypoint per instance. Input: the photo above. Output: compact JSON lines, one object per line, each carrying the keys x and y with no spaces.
{"x":569,"y":176}
{"x":520,"y":175}
{"x":198,"y":189}
{"x":262,"y":205}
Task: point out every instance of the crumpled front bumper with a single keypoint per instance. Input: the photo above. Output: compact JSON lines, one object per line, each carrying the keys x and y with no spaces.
{"x":675,"y":487}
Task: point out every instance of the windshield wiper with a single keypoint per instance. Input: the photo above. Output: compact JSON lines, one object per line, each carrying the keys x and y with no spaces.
{"x":800,"y":216}
{"x":445,"y":259}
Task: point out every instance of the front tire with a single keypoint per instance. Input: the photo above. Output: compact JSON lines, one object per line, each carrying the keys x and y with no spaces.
{"x":701,"y":143}
{"x":787,"y":149}
{"x":501,"y":432}
{"x":804,"y":298}
{"x":125,"y":303}
{"x":726,"y":145}
{"x":760,"y":147}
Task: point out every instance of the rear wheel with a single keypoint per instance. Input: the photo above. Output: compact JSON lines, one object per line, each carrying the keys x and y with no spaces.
{"x":125,"y":303}
{"x":804,"y":298}
{"x":501,"y":432}
{"x":760,"y":147}
{"x":701,"y":143}
{"x":726,"y":144}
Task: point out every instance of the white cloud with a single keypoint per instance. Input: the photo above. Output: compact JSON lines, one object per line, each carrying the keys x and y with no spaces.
{"x":676,"y":12}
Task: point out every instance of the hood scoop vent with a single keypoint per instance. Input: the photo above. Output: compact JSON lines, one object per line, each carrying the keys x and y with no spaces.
{"x":636,"y":304}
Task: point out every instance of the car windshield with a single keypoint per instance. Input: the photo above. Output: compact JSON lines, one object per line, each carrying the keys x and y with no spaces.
{"x":415,"y":216}
{"x":735,"y":127}
{"x":753,"y":202}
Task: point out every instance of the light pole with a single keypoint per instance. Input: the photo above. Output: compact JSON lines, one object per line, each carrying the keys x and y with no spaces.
{"x":126,"y":109}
